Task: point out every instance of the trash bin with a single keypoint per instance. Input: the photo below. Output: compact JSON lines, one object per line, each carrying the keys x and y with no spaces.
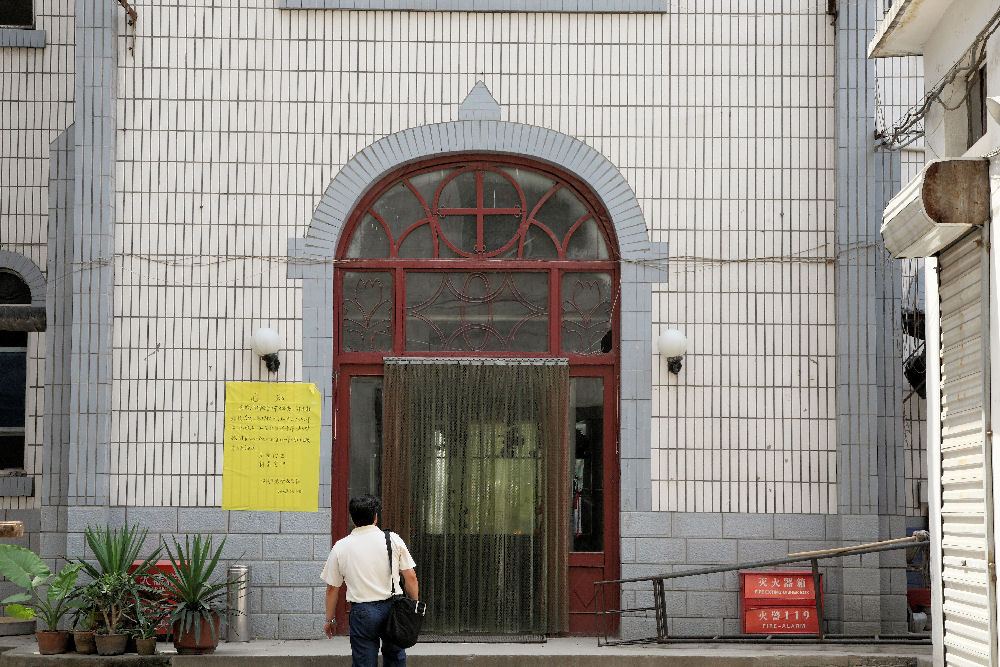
{"x":236,"y":596}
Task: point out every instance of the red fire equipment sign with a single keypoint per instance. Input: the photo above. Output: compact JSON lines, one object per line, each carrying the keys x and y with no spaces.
{"x":778,"y":602}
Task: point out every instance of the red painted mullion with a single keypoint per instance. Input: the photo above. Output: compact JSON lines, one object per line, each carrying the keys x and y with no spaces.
{"x":478,"y":264}
{"x":480,"y":241}
{"x":555,"y":311}
{"x":480,"y":210}
{"x":399,"y":311}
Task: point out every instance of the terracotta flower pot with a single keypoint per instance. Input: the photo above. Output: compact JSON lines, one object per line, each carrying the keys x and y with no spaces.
{"x":111,"y":644}
{"x":84,"y":640}
{"x":145,"y":645}
{"x":184,"y":640}
{"x":51,"y":642}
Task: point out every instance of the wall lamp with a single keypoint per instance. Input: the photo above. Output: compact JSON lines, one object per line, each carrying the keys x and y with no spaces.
{"x":265,"y":343}
{"x":672,"y":344}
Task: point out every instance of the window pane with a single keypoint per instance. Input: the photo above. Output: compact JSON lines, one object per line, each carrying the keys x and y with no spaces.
{"x":13,"y":339}
{"x":428,"y":182}
{"x":369,"y":239}
{"x":13,"y":290}
{"x":533,"y":185}
{"x":498,"y":192}
{"x":499,"y":230}
{"x":418,"y":243}
{"x":460,"y":231}
{"x":560,"y":212}
{"x":538,"y":244}
{"x":587,"y":306}
{"x":470,"y":312}
{"x":366,"y":312}
{"x":400,"y":208}
{"x":366,"y":436}
{"x":587,"y":242}
{"x":16,"y":13}
{"x":458,"y":192}
{"x":587,"y":474}
{"x":12,"y":450}
{"x":13,"y":376}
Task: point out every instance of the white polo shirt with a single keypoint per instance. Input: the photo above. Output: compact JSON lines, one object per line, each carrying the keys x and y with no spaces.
{"x":360,"y":560}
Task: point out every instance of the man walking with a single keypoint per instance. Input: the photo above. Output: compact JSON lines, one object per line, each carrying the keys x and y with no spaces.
{"x":360,"y":560}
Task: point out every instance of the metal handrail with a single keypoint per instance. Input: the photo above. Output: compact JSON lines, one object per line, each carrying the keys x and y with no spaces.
{"x":659,"y":597}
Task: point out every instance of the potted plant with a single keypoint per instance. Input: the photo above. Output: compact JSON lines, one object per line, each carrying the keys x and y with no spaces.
{"x":148,"y":614}
{"x":117,"y":550}
{"x":112,"y":594}
{"x":198,"y":601}
{"x":25,"y":569}
{"x":84,"y":620}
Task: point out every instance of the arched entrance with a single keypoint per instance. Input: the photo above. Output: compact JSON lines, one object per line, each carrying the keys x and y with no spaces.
{"x":476,"y":360}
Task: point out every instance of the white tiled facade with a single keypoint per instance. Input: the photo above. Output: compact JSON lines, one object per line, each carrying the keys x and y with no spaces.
{"x":231,"y":122}
{"x":721,"y":122}
{"x":36,"y":104}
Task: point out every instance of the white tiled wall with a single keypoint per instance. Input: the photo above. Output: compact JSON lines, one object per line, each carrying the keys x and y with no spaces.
{"x":746,"y":208}
{"x":36,"y":104}
{"x":234,"y":118}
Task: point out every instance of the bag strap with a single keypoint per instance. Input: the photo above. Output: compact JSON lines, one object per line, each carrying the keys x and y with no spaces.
{"x":388,"y":552}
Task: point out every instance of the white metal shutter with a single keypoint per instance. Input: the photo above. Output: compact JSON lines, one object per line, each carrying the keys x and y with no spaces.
{"x":966,"y":537}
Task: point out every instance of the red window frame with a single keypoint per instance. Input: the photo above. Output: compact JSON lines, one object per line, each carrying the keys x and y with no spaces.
{"x":399,"y":267}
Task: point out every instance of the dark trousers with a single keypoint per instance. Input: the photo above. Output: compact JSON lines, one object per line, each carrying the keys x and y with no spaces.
{"x":367,"y":621}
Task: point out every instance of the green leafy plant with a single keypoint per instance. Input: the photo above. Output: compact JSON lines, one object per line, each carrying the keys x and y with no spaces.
{"x":148,"y":614}
{"x":112,"y":594}
{"x":85,"y":616}
{"x":25,"y":569}
{"x":116,"y":549}
{"x":190,"y":587}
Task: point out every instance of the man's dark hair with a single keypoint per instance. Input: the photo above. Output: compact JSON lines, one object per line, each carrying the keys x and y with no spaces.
{"x":363,"y":509}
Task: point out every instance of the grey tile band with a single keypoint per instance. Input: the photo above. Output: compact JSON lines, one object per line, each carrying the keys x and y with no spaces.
{"x":311,"y":260}
{"x":563,"y":6}
{"x":22,"y":38}
{"x":869,"y":366}
{"x":93,"y":221}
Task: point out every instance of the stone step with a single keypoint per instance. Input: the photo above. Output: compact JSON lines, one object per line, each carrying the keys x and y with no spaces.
{"x":16,"y":626}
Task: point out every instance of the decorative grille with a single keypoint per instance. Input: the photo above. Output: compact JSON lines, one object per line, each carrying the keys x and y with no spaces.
{"x":479,"y":210}
{"x":479,"y":254}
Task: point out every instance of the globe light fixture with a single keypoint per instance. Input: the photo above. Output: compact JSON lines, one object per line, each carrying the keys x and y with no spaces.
{"x":265,"y":343}
{"x":672,"y":344}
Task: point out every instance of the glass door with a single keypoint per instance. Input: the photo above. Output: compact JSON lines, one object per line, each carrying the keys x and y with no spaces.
{"x":593,"y":513}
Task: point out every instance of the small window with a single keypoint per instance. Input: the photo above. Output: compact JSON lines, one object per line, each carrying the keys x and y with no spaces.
{"x":976,"y":105}
{"x":13,"y":375}
{"x":16,"y":14}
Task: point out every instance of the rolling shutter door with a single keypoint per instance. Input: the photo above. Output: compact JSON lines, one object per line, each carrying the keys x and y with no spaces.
{"x":966,"y":534}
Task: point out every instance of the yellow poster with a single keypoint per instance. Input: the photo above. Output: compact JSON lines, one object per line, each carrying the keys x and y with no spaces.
{"x":271,"y":446}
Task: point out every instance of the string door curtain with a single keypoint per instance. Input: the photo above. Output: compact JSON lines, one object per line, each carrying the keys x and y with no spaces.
{"x":475,"y":478}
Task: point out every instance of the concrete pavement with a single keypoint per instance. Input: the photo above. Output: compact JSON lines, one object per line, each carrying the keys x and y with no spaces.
{"x":562,"y":652}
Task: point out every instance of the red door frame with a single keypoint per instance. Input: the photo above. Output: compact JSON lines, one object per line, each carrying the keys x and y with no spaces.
{"x":608,"y":560}
{"x":606,"y":366}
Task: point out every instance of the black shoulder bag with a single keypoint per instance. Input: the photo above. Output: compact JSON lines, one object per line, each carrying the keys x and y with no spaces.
{"x":402,"y":626}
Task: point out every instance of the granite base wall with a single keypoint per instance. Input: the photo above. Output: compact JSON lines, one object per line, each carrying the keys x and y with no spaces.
{"x":286,"y":552}
{"x":863,"y":594}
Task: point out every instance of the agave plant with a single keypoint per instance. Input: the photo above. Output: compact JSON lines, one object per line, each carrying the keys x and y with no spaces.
{"x":115,"y":550}
{"x":25,"y":569}
{"x":191,"y":588}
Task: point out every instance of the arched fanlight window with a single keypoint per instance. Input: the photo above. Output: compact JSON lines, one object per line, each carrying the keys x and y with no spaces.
{"x":13,"y":375}
{"x":478,"y":254}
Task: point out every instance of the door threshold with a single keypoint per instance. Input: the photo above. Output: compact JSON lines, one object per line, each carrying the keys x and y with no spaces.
{"x":482,"y":639}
